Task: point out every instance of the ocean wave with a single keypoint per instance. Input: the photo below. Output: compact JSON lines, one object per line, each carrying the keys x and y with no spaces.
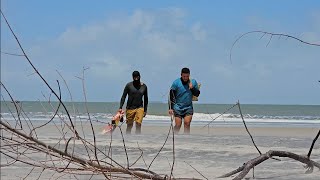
{"x":248,"y":118}
{"x":197,"y":117}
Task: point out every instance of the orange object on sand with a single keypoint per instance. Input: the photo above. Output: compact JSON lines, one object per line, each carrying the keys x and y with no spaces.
{"x":118,"y":117}
{"x":114,"y":123}
{"x":108,"y":128}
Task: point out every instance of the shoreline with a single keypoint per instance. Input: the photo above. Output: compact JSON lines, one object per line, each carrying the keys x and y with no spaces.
{"x":307,"y":132}
{"x":154,"y":129}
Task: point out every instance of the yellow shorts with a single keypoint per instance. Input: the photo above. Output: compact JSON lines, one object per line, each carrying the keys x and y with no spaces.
{"x":134,"y":115}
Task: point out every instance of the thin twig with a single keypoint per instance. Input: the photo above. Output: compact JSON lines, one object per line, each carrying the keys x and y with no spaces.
{"x":213,"y":119}
{"x":314,"y":141}
{"x":271,"y":34}
{"x":244,"y":123}
{"x":196,"y":170}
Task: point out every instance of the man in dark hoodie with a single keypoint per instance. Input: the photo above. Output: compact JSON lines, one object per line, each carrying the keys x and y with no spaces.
{"x":136,"y":108}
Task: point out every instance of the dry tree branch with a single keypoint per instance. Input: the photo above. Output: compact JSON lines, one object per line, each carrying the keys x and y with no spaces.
{"x":270,"y":155}
{"x":213,"y":119}
{"x":244,"y":123}
{"x":36,"y":70}
{"x":196,"y":170}
{"x":173,"y":149}
{"x":271,"y":35}
{"x":314,"y":141}
{"x":90,"y":121}
{"x":92,"y":129}
{"x":18,"y":109}
{"x":54,"y":115}
{"x":124,"y":146}
{"x":137,"y":158}
{"x":85,"y":163}
{"x":14,"y":102}
{"x":171,"y":127}
{"x":11,"y":54}
{"x":12,"y":114}
{"x":244,"y":170}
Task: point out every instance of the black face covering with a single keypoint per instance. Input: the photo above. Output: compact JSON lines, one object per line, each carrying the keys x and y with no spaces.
{"x":136,"y":83}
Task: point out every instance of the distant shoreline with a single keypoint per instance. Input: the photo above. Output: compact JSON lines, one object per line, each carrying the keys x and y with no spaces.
{"x":165,"y":103}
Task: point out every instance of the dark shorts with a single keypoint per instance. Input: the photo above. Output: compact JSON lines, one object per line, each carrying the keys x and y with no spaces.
{"x":183,"y":113}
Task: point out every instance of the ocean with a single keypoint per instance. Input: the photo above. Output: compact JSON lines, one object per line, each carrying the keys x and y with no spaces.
{"x":254,"y":114}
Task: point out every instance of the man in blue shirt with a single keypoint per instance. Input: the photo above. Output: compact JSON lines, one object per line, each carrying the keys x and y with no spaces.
{"x":180,"y":105}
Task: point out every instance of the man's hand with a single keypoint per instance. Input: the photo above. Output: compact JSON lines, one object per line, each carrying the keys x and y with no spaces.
{"x":170,"y":112}
{"x":144,"y":114}
{"x":190,"y":85}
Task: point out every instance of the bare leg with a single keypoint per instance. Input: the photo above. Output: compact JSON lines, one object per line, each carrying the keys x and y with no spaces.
{"x":138,"y":128}
{"x":187,"y":122}
{"x":177,"y":125}
{"x":129,"y":127}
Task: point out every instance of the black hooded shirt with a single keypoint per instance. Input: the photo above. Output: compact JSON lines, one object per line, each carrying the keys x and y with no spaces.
{"x":135,"y":93}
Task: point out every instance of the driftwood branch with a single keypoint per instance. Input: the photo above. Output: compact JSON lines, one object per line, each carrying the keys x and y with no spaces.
{"x":86,"y":164}
{"x":244,"y":170}
{"x":221,"y":114}
{"x":244,"y":123}
{"x":271,"y":35}
{"x":20,"y":146}
{"x":38,"y":73}
{"x":313,"y":142}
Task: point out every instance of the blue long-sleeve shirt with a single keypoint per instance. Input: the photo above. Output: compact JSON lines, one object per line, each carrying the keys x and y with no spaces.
{"x":181,"y":95}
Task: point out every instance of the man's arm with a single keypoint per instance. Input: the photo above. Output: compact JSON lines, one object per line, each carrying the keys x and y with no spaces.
{"x":124,"y":95}
{"x":195,"y":90}
{"x":145,"y":102}
{"x":172,"y":98}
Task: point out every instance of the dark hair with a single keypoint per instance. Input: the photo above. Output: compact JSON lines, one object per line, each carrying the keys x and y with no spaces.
{"x":135,"y":74}
{"x":185,"y":70}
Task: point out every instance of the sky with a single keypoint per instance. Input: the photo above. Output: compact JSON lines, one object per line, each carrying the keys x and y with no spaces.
{"x":111,"y":39}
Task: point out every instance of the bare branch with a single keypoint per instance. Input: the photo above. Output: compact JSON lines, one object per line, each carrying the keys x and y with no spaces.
{"x":314,"y":141}
{"x":256,"y":161}
{"x":244,"y":123}
{"x":271,"y":34}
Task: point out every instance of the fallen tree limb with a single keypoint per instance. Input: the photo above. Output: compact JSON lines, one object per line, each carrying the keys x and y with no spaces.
{"x":245,"y":168}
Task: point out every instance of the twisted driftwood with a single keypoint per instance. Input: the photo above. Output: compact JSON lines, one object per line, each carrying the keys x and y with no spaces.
{"x":244,"y":170}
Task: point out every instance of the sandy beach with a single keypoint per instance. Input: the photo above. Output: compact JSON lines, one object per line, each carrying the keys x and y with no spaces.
{"x":213,"y":152}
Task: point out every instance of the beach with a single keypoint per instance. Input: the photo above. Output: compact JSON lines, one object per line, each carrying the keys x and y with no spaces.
{"x":212,"y":151}
{"x":217,"y":144}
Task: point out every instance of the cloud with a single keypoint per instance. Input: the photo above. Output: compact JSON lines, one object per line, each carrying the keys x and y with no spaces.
{"x":109,"y":67}
{"x":142,"y":39}
{"x":198,"y":32}
{"x":314,"y":35}
{"x":311,"y":37}
{"x":160,"y":42}
{"x":316,"y":20}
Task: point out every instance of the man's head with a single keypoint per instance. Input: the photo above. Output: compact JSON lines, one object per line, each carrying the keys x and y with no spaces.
{"x":185,"y":74}
{"x":136,"y":75}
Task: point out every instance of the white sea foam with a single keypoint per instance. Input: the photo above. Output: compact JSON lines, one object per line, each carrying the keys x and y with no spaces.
{"x":236,"y":118}
{"x":198,"y":118}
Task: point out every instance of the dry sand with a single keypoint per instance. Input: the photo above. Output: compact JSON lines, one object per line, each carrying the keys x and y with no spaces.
{"x":213,"y":151}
